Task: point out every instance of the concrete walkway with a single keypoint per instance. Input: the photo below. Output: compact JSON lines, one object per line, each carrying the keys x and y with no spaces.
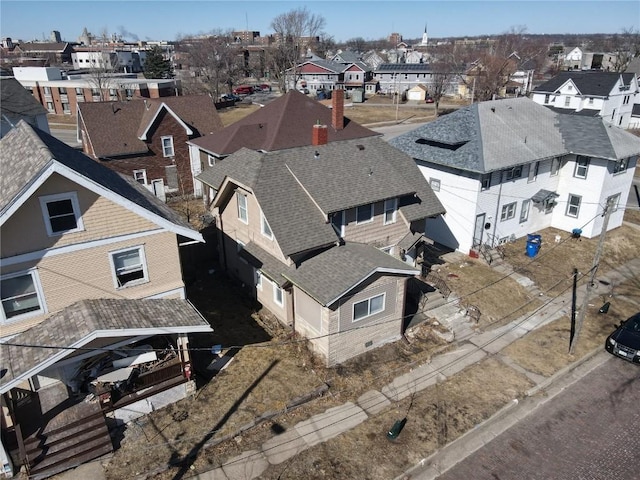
{"x":337,"y":420}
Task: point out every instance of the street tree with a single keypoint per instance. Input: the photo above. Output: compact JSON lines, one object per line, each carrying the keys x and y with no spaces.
{"x":214,"y":60}
{"x":155,"y":65}
{"x":624,"y":46}
{"x":103,"y":64}
{"x":295,"y":31}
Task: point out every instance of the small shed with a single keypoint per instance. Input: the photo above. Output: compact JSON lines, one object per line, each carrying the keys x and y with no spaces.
{"x":419,"y":93}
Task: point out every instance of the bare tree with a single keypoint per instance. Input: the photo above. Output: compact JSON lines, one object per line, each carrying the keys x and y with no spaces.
{"x":325,"y":45}
{"x":446,"y":70}
{"x":295,"y":31}
{"x":216,"y":62}
{"x":357,"y":44}
{"x":103,"y":64}
{"x":624,"y":46}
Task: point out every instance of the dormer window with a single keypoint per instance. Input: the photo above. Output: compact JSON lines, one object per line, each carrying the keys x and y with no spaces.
{"x":364,"y":214}
{"x":167,"y":146}
{"x":582,"y":166}
{"x":621,"y":165}
{"x":390,"y":209}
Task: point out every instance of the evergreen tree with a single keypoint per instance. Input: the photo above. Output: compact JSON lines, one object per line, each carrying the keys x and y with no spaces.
{"x":155,"y":65}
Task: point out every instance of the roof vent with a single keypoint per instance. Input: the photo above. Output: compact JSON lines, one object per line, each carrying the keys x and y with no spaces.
{"x":493,"y":109}
{"x":316,"y":155}
{"x":360,"y":146}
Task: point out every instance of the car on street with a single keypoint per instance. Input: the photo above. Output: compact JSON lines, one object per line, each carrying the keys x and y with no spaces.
{"x":624,"y":342}
{"x":243,"y":90}
{"x":429,"y":100}
{"x":263,"y":87}
{"x":230,"y":97}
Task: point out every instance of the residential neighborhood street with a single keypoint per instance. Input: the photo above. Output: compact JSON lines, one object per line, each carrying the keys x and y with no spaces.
{"x":589,"y":430}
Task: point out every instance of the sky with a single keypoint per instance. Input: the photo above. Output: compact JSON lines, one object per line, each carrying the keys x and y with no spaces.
{"x":370,"y":19}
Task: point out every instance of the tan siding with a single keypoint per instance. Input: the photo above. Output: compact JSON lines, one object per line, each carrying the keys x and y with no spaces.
{"x":309,"y":312}
{"x":101,"y":218}
{"x":375,"y":232}
{"x":265,"y":297}
{"x":74,"y":276}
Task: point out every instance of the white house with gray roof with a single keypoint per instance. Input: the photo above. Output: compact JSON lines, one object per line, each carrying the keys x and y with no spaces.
{"x":507,"y":168}
{"x":610,"y":96}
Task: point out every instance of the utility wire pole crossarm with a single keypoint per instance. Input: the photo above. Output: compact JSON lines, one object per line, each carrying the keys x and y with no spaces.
{"x":596,"y":261}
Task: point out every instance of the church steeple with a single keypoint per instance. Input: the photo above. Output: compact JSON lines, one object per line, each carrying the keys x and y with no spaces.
{"x":425,"y":37}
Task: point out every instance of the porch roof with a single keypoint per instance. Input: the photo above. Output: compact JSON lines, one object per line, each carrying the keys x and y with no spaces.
{"x":543,"y":195}
{"x":71,"y":329}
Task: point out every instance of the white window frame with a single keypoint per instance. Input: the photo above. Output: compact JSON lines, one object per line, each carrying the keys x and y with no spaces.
{"x":485,"y":181}
{"x":370,"y":219}
{"x":339,"y":229}
{"x":579,"y":166}
{"x":390,"y":211}
{"x":573,"y":209}
{"x":243,"y":209}
{"x":143,"y":263}
{"x":524,"y":210}
{"x":369,"y":311}
{"x":434,"y":183}
{"x":278,"y":295}
{"x":35,"y":278}
{"x":73,"y":197}
{"x":264,"y":227}
{"x":567,"y":101}
{"x":167,"y":149}
{"x":555,"y":166}
{"x":508,"y":211}
{"x":140,"y":175}
{"x":533,"y":172}
{"x":514,"y":173}
{"x":211,"y":160}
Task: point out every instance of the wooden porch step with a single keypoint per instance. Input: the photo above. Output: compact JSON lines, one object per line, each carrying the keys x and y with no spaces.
{"x":61,"y":463}
{"x":61,"y":439}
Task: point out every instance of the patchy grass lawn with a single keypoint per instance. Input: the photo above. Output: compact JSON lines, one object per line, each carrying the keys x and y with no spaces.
{"x":552,"y":268}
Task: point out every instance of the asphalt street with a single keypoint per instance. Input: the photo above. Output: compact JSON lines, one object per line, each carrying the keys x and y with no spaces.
{"x":588,"y":431}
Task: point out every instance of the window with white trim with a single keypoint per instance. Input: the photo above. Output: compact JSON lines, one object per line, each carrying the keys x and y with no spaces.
{"x":140,"y":176}
{"x":266,"y":229}
{"x":508,"y":211}
{"x":582,"y":166}
{"x":243,"y":214}
{"x":368,"y":307}
{"x":21,"y":295}
{"x":515,"y":172}
{"x":524,"y":210}
{"x":567,"y":102}
{"x":533,"y":172}
{"x":364,"y":214}
{"x":167,"y":146}
{"x":129,"y":267}
{"x":573,"y":205}
{"x":278,"y":295}
{"x":621,"y":165}
{"x":555,"y":166}
{"x":61,"y":213}
{"x":435,"y":184}
{"x":211,"y":160}
{"x":485,"y":182}
{"x":390,"y":209}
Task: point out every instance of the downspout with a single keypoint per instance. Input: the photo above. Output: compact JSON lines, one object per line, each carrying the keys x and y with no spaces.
{"x":495,"y":223}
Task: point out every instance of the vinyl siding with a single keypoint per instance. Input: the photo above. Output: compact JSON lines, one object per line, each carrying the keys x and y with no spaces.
{"x":375,"y":232}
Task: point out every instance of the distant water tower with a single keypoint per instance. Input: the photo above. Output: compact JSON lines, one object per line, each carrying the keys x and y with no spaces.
{"x":55,"y":37}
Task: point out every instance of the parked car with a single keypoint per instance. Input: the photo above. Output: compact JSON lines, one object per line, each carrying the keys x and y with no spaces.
{"x":243,"y":90}
{"x":304,"y":90}
{"x":263,"y":87}
{"x":230,"y":97}
{"x":624,"y":342}
{"x":429,"y":100}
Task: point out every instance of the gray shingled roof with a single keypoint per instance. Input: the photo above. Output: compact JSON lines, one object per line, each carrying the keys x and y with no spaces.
{"x":333,"y":273}
{"x":26,"y":152}
{"x":264,"y":261}
{"x":79,"y":323}
{"x":16,"y":101}
{"x":297,"y":191}
{"x":287,"y":122}
{"x":499,"y":134}
{"x":598,"y":84}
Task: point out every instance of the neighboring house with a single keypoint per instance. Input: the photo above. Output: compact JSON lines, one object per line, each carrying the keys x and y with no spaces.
{"x":284,"y":123}
{"x":55,"y":53}
{"x":607,"y":95}
{"x":90,"y":266}
{"x":507,"y":168}
{"x":17,"y":104}
{"x":522,"y":78}
{"x":147,"y":139}
{"x":61,"y":95}
{"x":401,"y":77}
{"x":316,"y":74}
{"x":326,"y":234}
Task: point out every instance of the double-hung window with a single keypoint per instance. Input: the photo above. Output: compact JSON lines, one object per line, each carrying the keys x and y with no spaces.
{"x":167,"y":146}
{"x":573,"y":205}
{"x":278,"y":295}
{"x":364,"y":214}
{"x":582,"y":166}
{"x":140,"y":176}
{"x":368,"y":307}
{"x":533,"y":172}
{"x":485,"y":182}
{"x":61,"y":213}
{"x":129,"y":267}
{"x":508,"y":211}
{"x":515,"y":172}
{"x":390,"y":208}
{"x":524,"y":210}
{"x":243,"y":214}
{"x":555,"y":166}
{"x":21,"y":295}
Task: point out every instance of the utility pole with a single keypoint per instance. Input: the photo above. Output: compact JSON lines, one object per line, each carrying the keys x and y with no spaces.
{"x":596,"y":260}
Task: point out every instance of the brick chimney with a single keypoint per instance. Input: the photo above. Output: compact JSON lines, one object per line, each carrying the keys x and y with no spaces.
{"x":320,"y":135}
{"x":337,"y":110}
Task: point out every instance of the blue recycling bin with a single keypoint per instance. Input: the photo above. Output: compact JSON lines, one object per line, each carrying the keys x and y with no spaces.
{"x":533,"y":244}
